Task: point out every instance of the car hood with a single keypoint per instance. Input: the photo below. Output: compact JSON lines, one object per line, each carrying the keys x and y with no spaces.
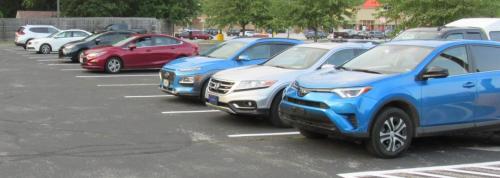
{"x":196,"y":61}
{"x":258,"y":72}
{"x":338,"y":79}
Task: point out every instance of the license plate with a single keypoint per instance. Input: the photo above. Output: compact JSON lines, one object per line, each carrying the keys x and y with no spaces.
{"x":166,"y":83}
{"x":213,"y":99}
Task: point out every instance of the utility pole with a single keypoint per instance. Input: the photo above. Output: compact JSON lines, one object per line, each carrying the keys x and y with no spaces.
{"x":58,"y":9}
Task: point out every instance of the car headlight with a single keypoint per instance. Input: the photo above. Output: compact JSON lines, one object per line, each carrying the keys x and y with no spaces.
{"x":95,"y":54}
{"x":351,"y":92}
{"x":254,"y":84}
{"x":69,"y":46}
{"x":190,"y":69}
{"x":190,"y":79}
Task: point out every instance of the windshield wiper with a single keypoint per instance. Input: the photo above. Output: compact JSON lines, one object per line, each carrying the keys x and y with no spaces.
{"x":366,"y":70}
{"x":278,"y":66}
{"x":341,"y":67}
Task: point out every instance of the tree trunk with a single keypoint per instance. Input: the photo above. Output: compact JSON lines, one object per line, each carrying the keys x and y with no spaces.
{"x":315,"y":34}
{"x":243,"y":29}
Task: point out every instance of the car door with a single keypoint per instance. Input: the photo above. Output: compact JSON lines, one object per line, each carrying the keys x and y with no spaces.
{"x":142,"y":55}
{"x":487,"y":67}
{"x":449,"y":100}
{"x":61,"y":39}
{"x":260,"y":53}
{"x":165,"y":49}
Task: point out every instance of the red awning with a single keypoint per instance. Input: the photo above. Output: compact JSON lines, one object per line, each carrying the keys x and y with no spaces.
{"x":371,"y":4}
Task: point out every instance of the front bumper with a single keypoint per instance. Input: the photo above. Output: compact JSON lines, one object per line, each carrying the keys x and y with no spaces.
{"x":172,"y":86}
{"x":234,"y":102}
{"x":95,"y":64}
{"x":65,"y":52}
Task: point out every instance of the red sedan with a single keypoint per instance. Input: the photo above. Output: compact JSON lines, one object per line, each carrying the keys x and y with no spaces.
{"x":137,"y":52}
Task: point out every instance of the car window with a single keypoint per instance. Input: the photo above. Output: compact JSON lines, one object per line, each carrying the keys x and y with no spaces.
{"x":39,"y":30}
{"x":262,"y":51}
{"x":473,"y":36}
{"x":79,"y":34}
{"x":453,"y":59}
{"x":224,"y":50}
{"x":455,"y":36}
{"x":63,"y":35}
{"x":297,"y":58}
{"x":417,"y":35}
{"x":278,"y":48}
{"x":495,"y":35}
{"x":165,"y":41}
{"x":340,"y":57}
{"x":52,"y":30}
{"x":486,"y":58}
{"x":144,"y":42}
{"x":358,"y":52}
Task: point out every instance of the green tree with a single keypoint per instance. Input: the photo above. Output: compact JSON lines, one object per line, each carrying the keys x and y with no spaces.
{"x":222,"y":13}
{"x":426,"y":13}
{"x":321,"y":13}
{"x":277,"y":15}
{"x":174,"y":11}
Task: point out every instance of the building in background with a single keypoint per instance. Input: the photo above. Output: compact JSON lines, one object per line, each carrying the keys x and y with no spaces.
{"x":366,"y":18}
{"x":35,"y":14}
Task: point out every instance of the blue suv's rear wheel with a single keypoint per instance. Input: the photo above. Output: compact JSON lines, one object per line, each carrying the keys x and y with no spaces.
{"x":391,"y":133}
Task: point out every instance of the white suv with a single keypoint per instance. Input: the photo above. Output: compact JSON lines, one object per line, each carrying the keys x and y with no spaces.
{"x":55,"y":41}
{"x":29,"y":32}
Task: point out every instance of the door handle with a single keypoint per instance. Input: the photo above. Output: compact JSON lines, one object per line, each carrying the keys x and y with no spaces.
{"x":469,"y":85}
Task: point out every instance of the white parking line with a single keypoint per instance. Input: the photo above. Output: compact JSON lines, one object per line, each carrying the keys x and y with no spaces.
{"x":263,"y":134}
{"x":42,"y":57}
{"x":126,"y":85}
{"x":187,"y":112}
{"x":149,"y":96}
{"x":73,"y":69}
{"x":62,"y":64}
{"x":437,"y":171}
{"x":49,"y":60}
{"x":111,"y":76}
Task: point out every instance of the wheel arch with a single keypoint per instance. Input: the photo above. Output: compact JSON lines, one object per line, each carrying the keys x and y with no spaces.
{"x":119,"y":58}
{"x":402,"y":104}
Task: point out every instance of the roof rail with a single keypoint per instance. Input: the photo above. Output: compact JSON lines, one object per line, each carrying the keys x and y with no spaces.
{"x":341,"y":40}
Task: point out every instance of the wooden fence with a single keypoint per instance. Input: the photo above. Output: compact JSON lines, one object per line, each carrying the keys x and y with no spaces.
{"x":8,"y":26}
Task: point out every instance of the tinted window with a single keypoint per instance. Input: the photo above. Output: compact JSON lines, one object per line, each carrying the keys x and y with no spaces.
{"x":474,"y":36}
{"x":224,"y":50}
{"x":486,"y":58}
{"x":144,"y":42}
{"x":63,"y":35}
{"x":495,"y":36}
{"x":297,"y":58}
{"x":455,"y":36}
{"x":358,"y":52}
{"x":340,"y":57}
{"x":258,"y":52}
{"x":453,"y":59}
{"x":278,"y":48}
{"x":52,"y":30}
{"x":79,"y":34}
{"x":165,"y":41}
{"x":39,"y":30}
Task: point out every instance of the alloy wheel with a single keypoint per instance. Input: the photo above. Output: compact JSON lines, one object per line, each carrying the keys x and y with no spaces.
{"x":114,"y":65}
{"x":393,"y":135}
{"x":45,"y":49}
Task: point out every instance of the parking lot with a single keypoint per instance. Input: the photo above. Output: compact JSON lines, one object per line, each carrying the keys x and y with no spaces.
{"x":57,"y":120}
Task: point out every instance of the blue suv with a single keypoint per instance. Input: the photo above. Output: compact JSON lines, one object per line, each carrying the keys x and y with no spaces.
{"x":189,"y":76}
{"x":398,"y":91}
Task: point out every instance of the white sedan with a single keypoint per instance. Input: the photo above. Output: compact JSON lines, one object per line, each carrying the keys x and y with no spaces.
{"x":56,"y":40}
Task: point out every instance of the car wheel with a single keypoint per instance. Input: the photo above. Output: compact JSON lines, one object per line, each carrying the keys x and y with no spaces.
{"x":312,"y":135}
{"x":391,"y":133}
{"x":113,"y":65}
{"x":274,"y":115}
{"x":203,"y":91}
{"x":76,"y":58}
{"x":45,"y":49}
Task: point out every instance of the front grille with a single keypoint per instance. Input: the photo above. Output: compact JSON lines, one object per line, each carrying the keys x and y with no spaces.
{"x":315,"y":120}
{"x":219,"y":86}
{"x":307,"y":103}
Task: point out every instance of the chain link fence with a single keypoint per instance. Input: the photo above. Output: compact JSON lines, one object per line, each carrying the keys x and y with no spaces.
{"x":8,"y":26}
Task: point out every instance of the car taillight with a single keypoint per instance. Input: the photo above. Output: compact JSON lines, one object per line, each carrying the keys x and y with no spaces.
{"x":19,"y":33}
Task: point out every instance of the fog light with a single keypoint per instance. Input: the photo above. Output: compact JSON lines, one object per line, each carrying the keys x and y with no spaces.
{"x":244,"y":105}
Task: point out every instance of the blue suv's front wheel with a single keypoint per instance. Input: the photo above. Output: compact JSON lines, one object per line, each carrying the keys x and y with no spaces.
{"x":391,"y":133}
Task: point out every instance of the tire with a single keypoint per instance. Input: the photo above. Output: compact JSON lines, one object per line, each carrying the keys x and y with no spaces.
{"x":45,"y":49}
{"x":397,"y":130}
{"x":26,"y":44}
{"x":113,"y":65}
{"x":203,"y":91}
{"x":76,"y":58}
{"x":312,"y":135}
{"x":274,"y":115}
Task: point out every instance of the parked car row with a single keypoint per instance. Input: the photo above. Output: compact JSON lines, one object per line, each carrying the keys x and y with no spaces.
{"x":382,"y":94}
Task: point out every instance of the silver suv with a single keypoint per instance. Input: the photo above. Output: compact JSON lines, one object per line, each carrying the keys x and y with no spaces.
{"x":257,"y":90}
{"x":25,"y":34}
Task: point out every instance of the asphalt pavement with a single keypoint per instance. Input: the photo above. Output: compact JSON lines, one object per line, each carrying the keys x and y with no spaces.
{"x":57,"y":120}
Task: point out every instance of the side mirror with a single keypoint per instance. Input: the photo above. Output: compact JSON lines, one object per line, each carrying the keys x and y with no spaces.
{"x":97,"y":41}
{"x":327,"y":66}
{"x":131,"y":47}
{"x":243,"y":57}
{"x":435,"y":72}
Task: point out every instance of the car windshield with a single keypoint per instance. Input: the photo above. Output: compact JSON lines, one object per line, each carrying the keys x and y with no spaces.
{"x":417,"y":35}
{"x":124,"y":41}
{"x":224,"y":50}
{"x":388,"y":59}
{"x":53,"y":34}
{"x":297,"y":58}
{"x":92,"y":37}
